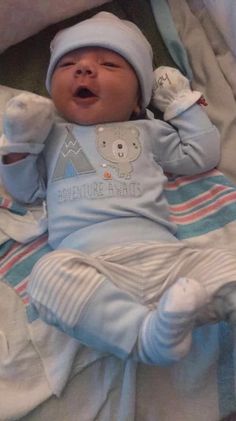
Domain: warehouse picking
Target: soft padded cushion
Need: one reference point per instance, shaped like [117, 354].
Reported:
[20, 19]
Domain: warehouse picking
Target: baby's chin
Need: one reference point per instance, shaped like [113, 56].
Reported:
[90, 119]
[94, 121]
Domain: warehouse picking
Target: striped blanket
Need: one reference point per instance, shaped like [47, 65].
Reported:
[201, 204]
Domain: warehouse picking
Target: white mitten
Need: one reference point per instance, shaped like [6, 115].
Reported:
[27, 121]
[172, 93]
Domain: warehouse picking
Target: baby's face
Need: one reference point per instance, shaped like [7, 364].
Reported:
[95, 85]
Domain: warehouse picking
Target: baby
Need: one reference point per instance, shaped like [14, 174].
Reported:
[118, 280]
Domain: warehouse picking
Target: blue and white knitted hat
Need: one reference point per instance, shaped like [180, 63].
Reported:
[108, 31]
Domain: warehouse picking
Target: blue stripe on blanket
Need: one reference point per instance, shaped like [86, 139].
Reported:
[226, 370]
[32, 313]
[22, 269]
[221, 218]
[5, 247]
[167, 28]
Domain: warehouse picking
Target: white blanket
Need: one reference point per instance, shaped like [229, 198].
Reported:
[206, 56]
[224, 15]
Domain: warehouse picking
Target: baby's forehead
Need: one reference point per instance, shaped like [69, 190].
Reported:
[97, 51]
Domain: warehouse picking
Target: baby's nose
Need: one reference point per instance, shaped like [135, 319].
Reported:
[86, 69]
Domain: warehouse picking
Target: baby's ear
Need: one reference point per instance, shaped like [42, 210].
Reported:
[137, 113]
[137, 109]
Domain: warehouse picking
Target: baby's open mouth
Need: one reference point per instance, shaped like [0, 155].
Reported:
[83, 92]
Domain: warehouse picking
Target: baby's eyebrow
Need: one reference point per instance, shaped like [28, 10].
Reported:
[67, 57]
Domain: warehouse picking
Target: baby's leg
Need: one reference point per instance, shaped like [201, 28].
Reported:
[79, 300]
[72, 294]
[77, 297]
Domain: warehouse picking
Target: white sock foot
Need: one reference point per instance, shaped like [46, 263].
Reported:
[166, 334]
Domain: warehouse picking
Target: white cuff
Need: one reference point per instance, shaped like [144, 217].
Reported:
[181, 104]
[7, 147]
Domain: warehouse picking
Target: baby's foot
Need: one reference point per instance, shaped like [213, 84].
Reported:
[166, 334]
[186, 295]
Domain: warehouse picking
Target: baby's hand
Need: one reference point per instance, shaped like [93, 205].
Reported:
[171, 92]
[27, 121]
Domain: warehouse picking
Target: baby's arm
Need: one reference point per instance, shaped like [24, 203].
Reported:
[27, 121]
[192, 145]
